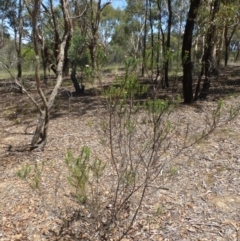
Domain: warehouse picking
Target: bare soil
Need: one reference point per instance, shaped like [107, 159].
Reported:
[197, 198]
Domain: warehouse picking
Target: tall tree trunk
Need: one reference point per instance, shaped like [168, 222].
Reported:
[79, 89]
[186, 52]
[95, 16]
[169, 26]
[18, 43]
[93, 51]
[144, 39]
[228, 42]
[44, 63]
[152, 67]
[66, 59]
[219, 50]
[161, 38]
[19, 67]
[207, 60]
[237, 55]
[41, 130]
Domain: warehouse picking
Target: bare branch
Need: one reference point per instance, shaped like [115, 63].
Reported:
[21, 86]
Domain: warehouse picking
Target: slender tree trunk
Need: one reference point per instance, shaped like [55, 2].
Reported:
[92, 49]
[44, 63]
[152, 67]
[158, 55]
[144, 39]
[79, 89]
[226, 46]
[19, 67]
[160, 33]
[196, 49]
[2, 42]
[168, 43]
[228, 42]
[66, 59]
[219, 51]
[179, 38]
[207, 60]
[18, 44]
[41, 130]
[237, 55]
[95, 16]
[186, 52]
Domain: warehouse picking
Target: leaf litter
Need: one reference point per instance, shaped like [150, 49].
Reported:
[196, 198]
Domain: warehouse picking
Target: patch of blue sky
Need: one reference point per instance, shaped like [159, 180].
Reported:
[119, 4]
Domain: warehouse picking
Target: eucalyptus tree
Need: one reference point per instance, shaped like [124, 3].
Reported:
[3, 16]
[15, 15]
[208, 48]
[93, 13]
[231, 15]
[78, 57]
[34, 7]
[144, 44]
[120, 40]
[50, 29]
[110, 19]
[168, 42]
[134, 25]
[187, 51]
[155, 45]
[236, 43]
[164, 22]
[179, 8]
[17, 24]
[110, 34]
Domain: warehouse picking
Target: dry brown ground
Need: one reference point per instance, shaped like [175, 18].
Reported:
[200, 194]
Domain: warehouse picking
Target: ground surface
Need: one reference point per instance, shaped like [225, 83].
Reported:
[199, 198]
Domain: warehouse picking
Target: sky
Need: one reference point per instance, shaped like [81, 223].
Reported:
[119, 4]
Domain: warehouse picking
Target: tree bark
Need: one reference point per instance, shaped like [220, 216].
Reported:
[66, 59]
[228, 42]
[41, 130]
[186, 52]
[18, 43]
[95, 17]
[144, 39]
[168, 43]
[219, 51]
[79, 89]
[207, 60]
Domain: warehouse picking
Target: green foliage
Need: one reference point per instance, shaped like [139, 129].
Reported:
[129, 177]
[78, 53]
[24, 172]
[159, 211]
[219, 108]
[217, 113]
[127, 88]
[28, 53]
[32, 174]
[28, 57]
[102, 58]
[156, 105]
[116, 53]
[173, 171]
[83, 173]
[79, 172]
